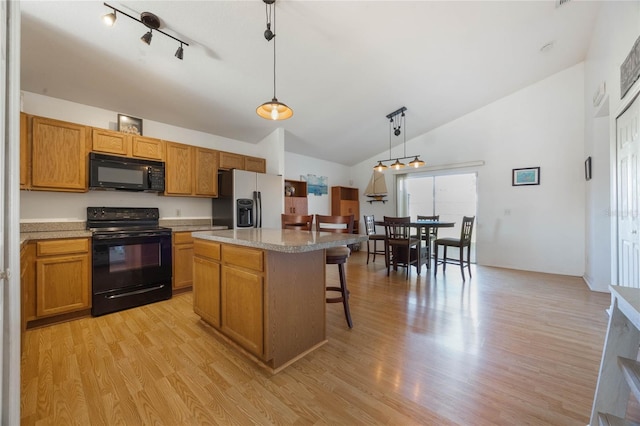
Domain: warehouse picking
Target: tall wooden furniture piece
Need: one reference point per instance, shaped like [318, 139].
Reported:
[461, 243]
[295, 197]
[338, 256]
[344, 202]
[619, 369]
[399, 244]
[430, 236]
[374, 237]
[297, 222]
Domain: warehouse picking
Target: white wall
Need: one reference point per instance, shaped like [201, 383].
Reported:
[39, 205]
[617, 28]
[338, 175]
[537, 228]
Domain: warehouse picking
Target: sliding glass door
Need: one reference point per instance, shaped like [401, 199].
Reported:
[451, 196]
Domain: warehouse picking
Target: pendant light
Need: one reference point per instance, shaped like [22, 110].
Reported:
[273, 110]
[396, 121]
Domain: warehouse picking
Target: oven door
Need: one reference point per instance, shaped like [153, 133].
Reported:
[130, 270]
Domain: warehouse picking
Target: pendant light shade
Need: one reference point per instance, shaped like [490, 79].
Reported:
[416, 162]
[380, 167]
[273, 110]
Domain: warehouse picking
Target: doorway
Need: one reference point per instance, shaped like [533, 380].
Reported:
[451, 196]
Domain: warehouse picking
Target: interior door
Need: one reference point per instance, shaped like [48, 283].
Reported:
[628, 192]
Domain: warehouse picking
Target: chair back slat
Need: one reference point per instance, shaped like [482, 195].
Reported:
[396, 228]
[370, 224]
[433, 230]
[467, 229]
[297, 222]
[338, 224]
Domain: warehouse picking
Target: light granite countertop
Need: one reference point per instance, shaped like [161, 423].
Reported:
[51, 230]
[282, 240]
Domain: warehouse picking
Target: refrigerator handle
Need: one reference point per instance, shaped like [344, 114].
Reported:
[259, 209]
[254, 213]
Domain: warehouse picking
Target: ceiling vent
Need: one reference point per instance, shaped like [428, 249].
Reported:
[560, 3]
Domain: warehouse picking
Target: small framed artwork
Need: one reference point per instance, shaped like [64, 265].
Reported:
[127, 124]
[525, 176]
[587, 168]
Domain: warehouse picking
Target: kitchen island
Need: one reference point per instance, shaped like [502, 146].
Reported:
[263, 290]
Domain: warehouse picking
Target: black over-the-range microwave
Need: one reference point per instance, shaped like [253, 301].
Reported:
[130, 174]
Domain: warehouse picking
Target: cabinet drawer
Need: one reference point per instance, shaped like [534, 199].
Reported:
[243, 257]
[182, 238]
[53, 247]
[207, 249]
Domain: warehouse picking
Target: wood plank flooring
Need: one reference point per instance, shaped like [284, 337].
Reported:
[506, 347]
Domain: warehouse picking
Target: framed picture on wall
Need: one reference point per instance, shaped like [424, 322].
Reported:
[525, 176]
[131, 125]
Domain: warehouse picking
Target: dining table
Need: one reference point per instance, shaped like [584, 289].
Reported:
[423, 227]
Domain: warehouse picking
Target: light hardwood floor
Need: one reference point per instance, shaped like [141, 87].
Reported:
[506, 347]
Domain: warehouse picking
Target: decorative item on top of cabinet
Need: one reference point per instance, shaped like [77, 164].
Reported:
[345, 201]
[58, 155]
[255, 164]
[182, 261]
[229, 160]
[295, 197]
[57, 282]
[25, 138]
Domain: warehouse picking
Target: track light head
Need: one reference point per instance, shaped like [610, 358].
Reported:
[179, 52]
[147, 37]
[110, 18]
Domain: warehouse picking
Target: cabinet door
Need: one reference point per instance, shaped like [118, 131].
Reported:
[178, 166]
[110, 142]
[295, 205]
[242, 308]
[229, 160]
[24, 151]
[348, 207]
[206, 290]
[255, 164]
[206, 172]
[62, 284]
[58, 155]
[150, 148]
[182, 266]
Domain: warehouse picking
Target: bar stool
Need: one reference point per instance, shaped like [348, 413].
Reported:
[374, 237]
[337, 256]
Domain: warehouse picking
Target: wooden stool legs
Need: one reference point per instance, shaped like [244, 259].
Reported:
[344, 294]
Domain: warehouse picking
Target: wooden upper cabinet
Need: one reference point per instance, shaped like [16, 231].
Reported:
[144, 147]
[229, 160]
[178, 167]
[206, 172]
[110, 142]
[58, 155]
[255, 164]
[24, 151]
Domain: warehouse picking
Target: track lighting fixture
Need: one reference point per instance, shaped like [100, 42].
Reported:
[149, 20]
[396, 120]
[273, 110]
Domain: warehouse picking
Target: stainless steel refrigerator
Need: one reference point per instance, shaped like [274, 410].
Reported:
[248, 199]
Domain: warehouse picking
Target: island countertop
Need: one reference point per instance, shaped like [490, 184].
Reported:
[282, 240]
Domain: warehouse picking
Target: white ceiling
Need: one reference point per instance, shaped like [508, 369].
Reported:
[341, 65]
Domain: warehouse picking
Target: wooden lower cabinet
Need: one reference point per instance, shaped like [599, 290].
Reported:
[269, 303]
[56, 278]
[206, 281]
[182, 261]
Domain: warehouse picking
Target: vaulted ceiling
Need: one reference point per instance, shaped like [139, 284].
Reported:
[341, 65]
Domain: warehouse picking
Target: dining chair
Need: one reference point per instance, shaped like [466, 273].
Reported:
[296, 221]
[399, 244]
[374, 237]
[430, 236]
[337, 256]
[461, 243]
